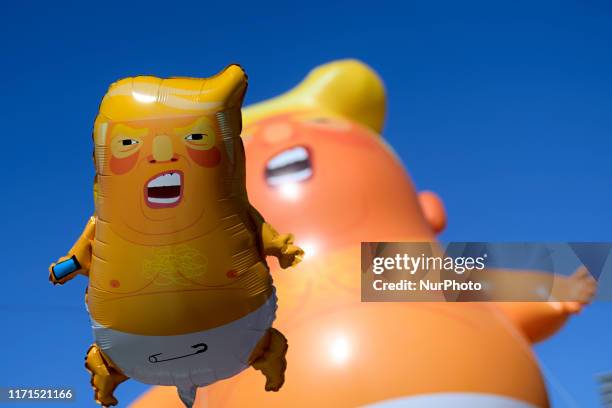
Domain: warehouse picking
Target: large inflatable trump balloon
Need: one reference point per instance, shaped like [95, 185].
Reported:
[179, 290]
[317, 151]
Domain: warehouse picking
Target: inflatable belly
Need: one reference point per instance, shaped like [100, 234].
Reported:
[388, 354]
[186, 314]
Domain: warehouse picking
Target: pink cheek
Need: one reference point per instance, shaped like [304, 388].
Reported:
[121, 166]
[206, 158]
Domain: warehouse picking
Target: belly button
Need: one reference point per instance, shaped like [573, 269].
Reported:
[231, 274]
[114, 283]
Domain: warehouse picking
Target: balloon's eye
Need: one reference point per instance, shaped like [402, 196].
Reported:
[129, 142]
[204, 140]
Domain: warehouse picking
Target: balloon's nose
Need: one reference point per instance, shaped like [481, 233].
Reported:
[162, 148]
[278, 132]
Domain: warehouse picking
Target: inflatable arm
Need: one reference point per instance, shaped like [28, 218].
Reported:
[78, 259]
[274, 244]
[537, 320]
[540, 320]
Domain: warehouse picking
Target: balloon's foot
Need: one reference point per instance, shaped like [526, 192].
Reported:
[271, 359]
[105, 376]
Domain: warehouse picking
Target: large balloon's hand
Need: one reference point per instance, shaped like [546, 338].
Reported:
[581, 288]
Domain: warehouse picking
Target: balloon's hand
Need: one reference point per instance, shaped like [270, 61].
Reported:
[52, 276]
[81, 254]
[581, 288]
[291, 255]
[67, 267]
[280, 246]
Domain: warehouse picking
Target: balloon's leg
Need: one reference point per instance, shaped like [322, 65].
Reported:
[269, 358]
[187, 395]
[105, 376]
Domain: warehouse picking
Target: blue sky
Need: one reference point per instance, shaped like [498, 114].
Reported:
[504, 108]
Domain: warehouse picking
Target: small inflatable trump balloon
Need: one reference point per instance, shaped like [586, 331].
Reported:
[179, 290]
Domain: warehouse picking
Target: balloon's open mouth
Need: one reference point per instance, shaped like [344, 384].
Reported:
[164, 190]
[292, 165]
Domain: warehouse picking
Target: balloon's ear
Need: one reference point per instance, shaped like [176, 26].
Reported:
[345, 88]
[433, 209]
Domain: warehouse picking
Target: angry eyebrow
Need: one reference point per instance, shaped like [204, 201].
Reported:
[200, 125]
[123, 129]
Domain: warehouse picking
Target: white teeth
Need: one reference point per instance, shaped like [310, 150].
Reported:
[165, 180]
[163, 200]
[290, 166]
[290, 177]
[162, 186]
[287, 157]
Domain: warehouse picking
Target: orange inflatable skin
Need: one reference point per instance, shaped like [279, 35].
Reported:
[315, 153]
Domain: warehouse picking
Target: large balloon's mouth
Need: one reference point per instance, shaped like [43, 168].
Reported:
[164, 190]
[292, 165]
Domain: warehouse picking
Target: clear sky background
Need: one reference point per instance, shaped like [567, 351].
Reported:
[502, 107]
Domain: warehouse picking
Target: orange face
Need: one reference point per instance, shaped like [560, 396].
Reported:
[164, 151]
[156, 173]
[306, 163]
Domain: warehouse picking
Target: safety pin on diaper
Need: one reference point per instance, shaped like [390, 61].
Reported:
[202, 347]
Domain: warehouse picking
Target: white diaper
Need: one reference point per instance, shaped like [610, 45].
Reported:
[454, 399]
[187, 360]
